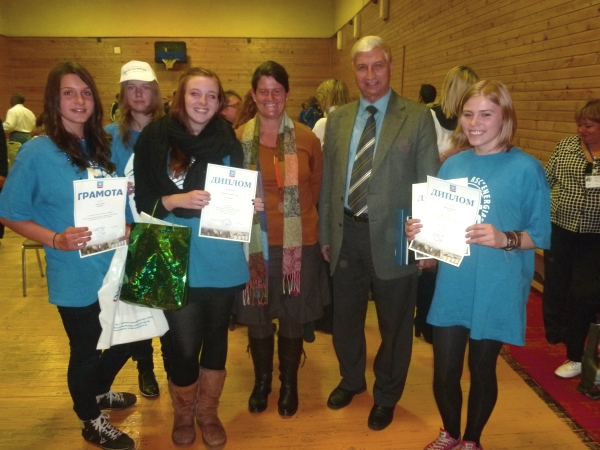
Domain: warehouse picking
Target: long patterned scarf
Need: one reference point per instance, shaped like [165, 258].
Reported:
[257, 288]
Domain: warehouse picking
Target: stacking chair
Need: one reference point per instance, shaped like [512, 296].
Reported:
[30, 244]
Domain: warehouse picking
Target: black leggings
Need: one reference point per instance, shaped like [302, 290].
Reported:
[201, 325]
[449, 345]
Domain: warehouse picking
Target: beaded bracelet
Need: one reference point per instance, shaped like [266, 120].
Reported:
[54, 241]
[513, 240]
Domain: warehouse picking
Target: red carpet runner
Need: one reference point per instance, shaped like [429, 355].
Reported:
[537, 361]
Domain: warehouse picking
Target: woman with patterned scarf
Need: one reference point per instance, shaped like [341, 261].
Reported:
[288, 279]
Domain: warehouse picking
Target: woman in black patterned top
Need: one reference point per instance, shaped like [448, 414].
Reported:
[573, 173]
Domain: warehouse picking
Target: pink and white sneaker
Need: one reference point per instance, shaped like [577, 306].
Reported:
[444, 442]
[469, 445]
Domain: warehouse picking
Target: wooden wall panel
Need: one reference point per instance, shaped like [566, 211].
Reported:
[6, 78]
[234, 60]
[546, 52]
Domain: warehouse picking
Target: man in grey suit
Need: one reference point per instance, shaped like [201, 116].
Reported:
[374, 150]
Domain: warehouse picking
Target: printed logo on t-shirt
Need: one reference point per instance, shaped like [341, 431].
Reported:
[486, 198]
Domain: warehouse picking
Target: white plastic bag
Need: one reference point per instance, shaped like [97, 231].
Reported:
[122, 322]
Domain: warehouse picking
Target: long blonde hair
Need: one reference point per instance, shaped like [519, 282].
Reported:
[457, 81]
[332, 92]
[126, 118]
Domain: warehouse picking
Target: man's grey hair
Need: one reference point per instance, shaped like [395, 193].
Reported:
[368, 43]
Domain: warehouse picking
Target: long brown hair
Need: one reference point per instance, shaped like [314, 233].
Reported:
[126, 118]
[179, 161]
[97, 140]
[246, 112]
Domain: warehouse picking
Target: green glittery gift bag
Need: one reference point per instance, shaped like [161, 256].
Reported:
[156, 266]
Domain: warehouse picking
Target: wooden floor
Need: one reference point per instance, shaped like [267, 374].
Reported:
[36, 410]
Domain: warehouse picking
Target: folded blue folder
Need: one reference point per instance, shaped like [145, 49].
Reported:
[402, 216]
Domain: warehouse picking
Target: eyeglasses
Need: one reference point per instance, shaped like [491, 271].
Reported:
[232, 106]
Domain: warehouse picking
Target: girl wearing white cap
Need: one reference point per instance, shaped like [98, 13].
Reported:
[140, 102]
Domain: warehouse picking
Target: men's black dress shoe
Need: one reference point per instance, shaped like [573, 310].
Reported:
[341, 397]
[148, 384]
[380, 417]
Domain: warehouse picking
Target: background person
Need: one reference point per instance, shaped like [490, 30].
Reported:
[483, 301]
[446, 111]
[573, 259]
[140, 104]
[427, 94]
[288, 158]
[3, 169]
[312, 113]
[233, 101]
[172, 154]
[37, 202]
[330, 94]
[19, 120]
[398, 148]
[113, 108]
[246, 111]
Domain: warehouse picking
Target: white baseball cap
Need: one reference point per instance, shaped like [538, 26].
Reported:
[137, 71]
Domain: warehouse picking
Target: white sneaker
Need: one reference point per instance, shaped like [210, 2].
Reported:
[569, 369]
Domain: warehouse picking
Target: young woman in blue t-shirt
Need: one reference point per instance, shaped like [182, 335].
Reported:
[171, 158]
[140, 102]
[482, 301]
[37, 202]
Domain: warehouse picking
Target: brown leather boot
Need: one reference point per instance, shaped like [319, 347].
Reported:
[184, 406]
[210, 386]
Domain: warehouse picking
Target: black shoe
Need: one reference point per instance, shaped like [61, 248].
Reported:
[148, 384]
[309, 332]
[341, 397]
[380, 417]
[99, 431]
[116, 400]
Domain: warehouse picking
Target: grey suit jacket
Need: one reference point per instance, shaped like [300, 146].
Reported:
[406, 153]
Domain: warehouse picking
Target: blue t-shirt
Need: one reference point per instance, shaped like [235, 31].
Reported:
[122, 155]
[40, 188]
[488, 292]
[215, 263]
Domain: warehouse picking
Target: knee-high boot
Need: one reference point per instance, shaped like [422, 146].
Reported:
[262, 358]
[210, 387]
[184, 407]
[290, 352]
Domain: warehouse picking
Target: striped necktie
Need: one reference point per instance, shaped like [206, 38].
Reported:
[361, 170]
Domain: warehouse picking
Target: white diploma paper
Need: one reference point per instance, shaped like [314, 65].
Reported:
[448, 210]
[229, 212]
[419, 195]
[100, 206]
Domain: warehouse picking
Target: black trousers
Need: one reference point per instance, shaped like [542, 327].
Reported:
[354, 275]
[572, 261]
[91, 372]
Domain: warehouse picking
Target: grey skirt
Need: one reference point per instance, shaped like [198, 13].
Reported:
[307, 306]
